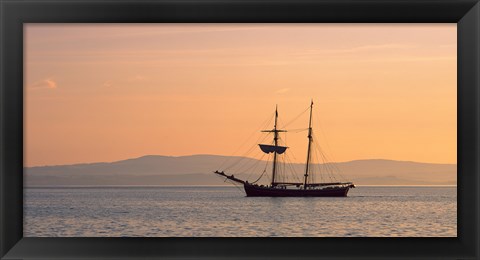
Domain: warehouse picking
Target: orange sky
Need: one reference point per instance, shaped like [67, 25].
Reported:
[111, 92]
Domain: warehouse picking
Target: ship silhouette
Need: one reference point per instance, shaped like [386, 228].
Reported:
[279, 188]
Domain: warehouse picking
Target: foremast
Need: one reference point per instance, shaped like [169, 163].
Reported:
[275, 148]
[275, 141]
[310, 140]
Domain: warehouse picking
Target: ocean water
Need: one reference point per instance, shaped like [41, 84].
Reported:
[368, 211]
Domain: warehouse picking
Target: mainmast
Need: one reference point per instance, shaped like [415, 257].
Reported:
[309, 147]
[275, 140]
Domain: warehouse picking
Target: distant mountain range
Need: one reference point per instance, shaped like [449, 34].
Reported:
[197, 170]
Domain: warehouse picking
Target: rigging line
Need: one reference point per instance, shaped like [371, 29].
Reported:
[245, 162]
[244, 156]
[284, 172]
[308, 172]
[285, 162]
[292, 156]
[267, 162]
[266, 122]
[326, 155]
[292, 168]
[298, 130]
[328, 170]
[259, 177]
[319, 165]
[293, 163]
[264, 170]
[278, 172]
[236, 185]
[231, 182]
[249, 168]
[298, 116]
[298, 176]
[312, 166]
[251, 172]
[242, 159]
[322, 132]
[253, 166]
[329, 166]
[325, 166]
[280, 122]
[283, 143]
[295, 176]
[335, 168]
[248, 151]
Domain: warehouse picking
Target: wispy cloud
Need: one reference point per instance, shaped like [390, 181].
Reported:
[137, 78]
[124, 81]
[48, 83]
[378, 47]
[107, 83]
[281, 91]
[119, 32]
[357, 49]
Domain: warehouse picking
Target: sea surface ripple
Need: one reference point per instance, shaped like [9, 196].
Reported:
[368, 211]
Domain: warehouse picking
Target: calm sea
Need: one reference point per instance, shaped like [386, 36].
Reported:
[225, 211]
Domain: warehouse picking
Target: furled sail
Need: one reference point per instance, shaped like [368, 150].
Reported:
[266, 148]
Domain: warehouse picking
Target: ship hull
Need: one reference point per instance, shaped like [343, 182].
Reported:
[258, 191]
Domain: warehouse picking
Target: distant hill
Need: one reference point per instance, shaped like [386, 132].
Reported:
[197, 170]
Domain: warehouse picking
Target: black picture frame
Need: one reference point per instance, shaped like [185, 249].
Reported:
[14, 13]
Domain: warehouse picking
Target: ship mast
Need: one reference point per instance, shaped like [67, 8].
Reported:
[309, 146]
[275, 140]
[275, 148]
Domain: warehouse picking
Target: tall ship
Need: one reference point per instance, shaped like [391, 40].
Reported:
[306, 186]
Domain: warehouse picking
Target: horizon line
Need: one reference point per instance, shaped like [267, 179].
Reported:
[153, 186]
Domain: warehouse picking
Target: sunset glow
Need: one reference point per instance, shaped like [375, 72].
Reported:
[97, 92]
